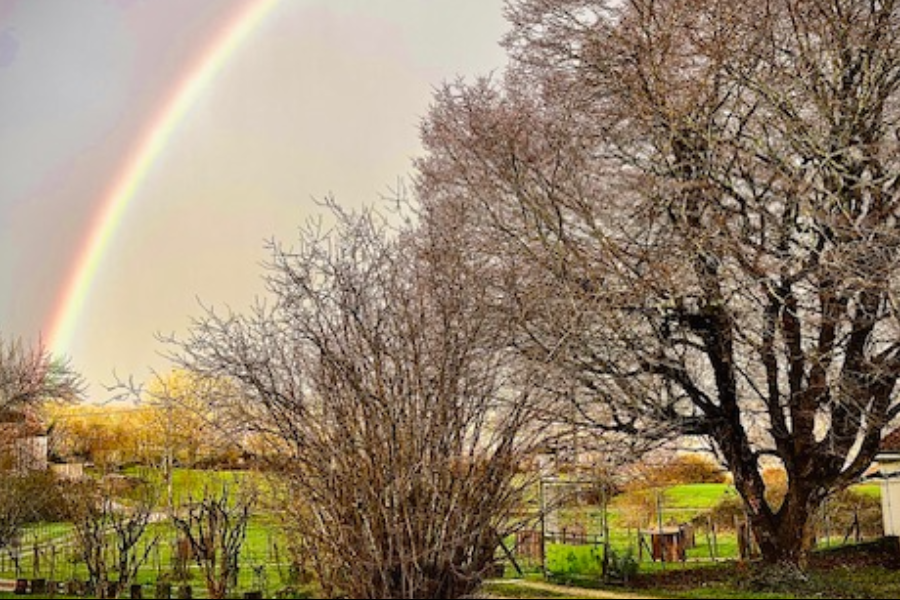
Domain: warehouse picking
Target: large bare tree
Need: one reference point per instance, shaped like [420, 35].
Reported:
[702, 199]
[389, 402]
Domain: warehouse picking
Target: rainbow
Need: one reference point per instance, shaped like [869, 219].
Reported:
[150, 145]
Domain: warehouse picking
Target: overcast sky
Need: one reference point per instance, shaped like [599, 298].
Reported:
[324, 97]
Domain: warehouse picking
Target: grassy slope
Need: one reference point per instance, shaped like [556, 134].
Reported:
[697, 495]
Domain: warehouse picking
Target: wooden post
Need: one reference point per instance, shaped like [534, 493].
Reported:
[659, 525]
[542, 543]
[604, 530]
[39, 586]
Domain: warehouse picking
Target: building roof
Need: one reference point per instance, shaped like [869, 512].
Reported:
[20, 423]
[891, 442]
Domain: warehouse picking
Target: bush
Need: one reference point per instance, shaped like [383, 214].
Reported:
[852, 514]
[35, 496]
[573, 562]
[694, 468]
[637, 508]
[676, 469]
[621, 566]
[727, 511]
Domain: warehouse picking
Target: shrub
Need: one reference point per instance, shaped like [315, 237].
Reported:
[727, 511]
[676, 469]
[776, 481]
[621, 566]
[574, 562]
[33, 496]
[637, 507]
[694, 468]
[851, 514]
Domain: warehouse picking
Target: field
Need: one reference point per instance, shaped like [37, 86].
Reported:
[47, 550]
[849, 561]
[709, 567]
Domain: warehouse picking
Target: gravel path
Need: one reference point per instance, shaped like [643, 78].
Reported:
[574, 592]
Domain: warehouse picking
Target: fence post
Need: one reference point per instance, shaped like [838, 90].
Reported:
[541, 545]
[710, 537]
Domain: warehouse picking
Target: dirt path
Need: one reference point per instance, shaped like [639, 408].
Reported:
[573, 592]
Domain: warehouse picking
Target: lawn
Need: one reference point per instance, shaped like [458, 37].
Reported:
[707, 563]
[697, 496]
[265, 561]
[47, 550]
[867, 570]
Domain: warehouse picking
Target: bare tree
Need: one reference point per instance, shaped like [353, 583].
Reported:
[215, 528]
[130, 528]
[389, 403]
[107, 533]
[27, 497]
[182, 431]
[702, 199]
[29, 376]
[13, 515]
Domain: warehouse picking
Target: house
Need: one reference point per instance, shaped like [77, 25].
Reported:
[23, 441]
[888, 459]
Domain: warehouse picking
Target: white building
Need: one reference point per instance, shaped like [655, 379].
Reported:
[23, 441]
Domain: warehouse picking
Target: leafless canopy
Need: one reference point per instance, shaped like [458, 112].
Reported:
[384, 393]
[107, 534]
[29, 376]
[215, 527]
[700, 199]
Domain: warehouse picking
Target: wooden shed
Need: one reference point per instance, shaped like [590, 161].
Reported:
[669, 544]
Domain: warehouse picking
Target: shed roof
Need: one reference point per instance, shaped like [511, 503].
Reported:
[20, 423]
[891, 442]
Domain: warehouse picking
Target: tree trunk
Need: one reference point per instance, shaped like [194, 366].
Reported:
[788, 535]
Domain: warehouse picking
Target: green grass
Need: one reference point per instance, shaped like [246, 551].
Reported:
[868, 489]
[508, 589]
[568, 562]
[734, 580]
[702, 496]
[45, 532]
[581, 564]
[856, 582]
[264, 556]
[190, 484]
[724, 592]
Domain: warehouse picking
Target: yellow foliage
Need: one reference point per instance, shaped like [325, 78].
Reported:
[173, 420]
